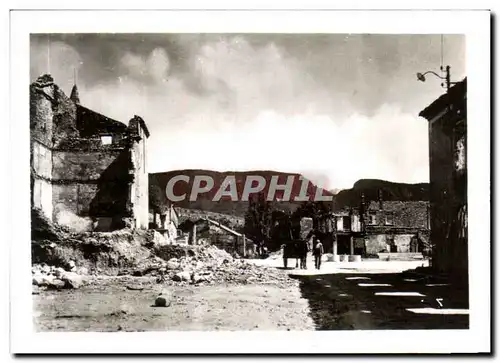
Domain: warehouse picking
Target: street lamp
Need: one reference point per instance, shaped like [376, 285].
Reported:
[446, 78]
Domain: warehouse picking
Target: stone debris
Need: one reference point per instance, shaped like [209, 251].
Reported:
[52, 277]
[210, 265]
[133, 254]
[57, 284]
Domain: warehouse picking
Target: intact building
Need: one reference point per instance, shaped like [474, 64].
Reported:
[88, 171]
[447, 120]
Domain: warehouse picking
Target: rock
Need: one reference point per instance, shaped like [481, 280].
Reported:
[56, 284]
[182, 276]
[161, 302]
[172, 265]
[37, 279]
[164, 299]
[73, 280]
[158, 239]
[45, 269]
[71, 265]
[82, 271]
[42, 280]
[59, 271]
[198, 278]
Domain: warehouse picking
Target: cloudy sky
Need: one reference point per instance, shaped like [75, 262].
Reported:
[334, 107]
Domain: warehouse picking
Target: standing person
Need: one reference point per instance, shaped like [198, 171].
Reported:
[318, 253]
[305, 250]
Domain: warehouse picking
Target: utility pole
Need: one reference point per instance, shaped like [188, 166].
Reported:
[447, 78]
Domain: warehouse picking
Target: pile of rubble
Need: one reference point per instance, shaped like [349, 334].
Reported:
[52, 277]
[210, 265]
[62, 259]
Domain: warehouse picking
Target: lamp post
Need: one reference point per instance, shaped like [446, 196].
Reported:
[446, 78]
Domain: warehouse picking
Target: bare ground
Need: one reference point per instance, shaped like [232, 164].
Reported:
[112, 306]
[335, 298]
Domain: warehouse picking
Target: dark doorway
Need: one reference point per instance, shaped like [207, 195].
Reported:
[414, 245]
[392, 246]
[343, 245]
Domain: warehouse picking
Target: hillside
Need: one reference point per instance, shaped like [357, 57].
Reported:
[390, 191]
[226, 205]
[233, 222]
[344, 198]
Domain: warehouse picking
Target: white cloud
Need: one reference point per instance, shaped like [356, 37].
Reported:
[241, 107]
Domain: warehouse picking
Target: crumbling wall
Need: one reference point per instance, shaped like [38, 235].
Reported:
[64, 118]
[140, 197]
[76, 180]
[402, 242]
[41, 115]
[404, 214]
[381, 242]
[41, 174]
[83, 166]
[52, 113]
[93, 185]
[376, 243]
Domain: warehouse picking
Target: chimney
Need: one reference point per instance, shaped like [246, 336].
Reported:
[74, 95]
[380, 200]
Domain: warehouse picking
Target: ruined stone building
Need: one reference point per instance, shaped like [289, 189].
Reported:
[447, 123]
[396, 227]
[208, 231]
[376, 228]
[88, 171]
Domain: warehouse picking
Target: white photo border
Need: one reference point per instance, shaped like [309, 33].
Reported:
[475, 25]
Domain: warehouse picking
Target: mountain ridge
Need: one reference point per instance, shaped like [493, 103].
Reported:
[343, 199]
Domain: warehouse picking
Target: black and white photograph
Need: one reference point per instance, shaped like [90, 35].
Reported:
[256, 182]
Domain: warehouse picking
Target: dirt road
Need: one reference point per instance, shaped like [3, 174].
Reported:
[382, 301]
[113, 307]
[334, 298]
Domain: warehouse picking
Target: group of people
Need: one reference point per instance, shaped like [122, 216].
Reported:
[314, 245]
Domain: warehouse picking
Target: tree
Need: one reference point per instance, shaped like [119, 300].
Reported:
[157, 198]
[312, 210]
[258, 218]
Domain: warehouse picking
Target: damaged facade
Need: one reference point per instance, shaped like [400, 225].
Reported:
[166, 222]
[396, 227]
[88, 172]
[378, 228]
[447, 123]
[209, 231]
